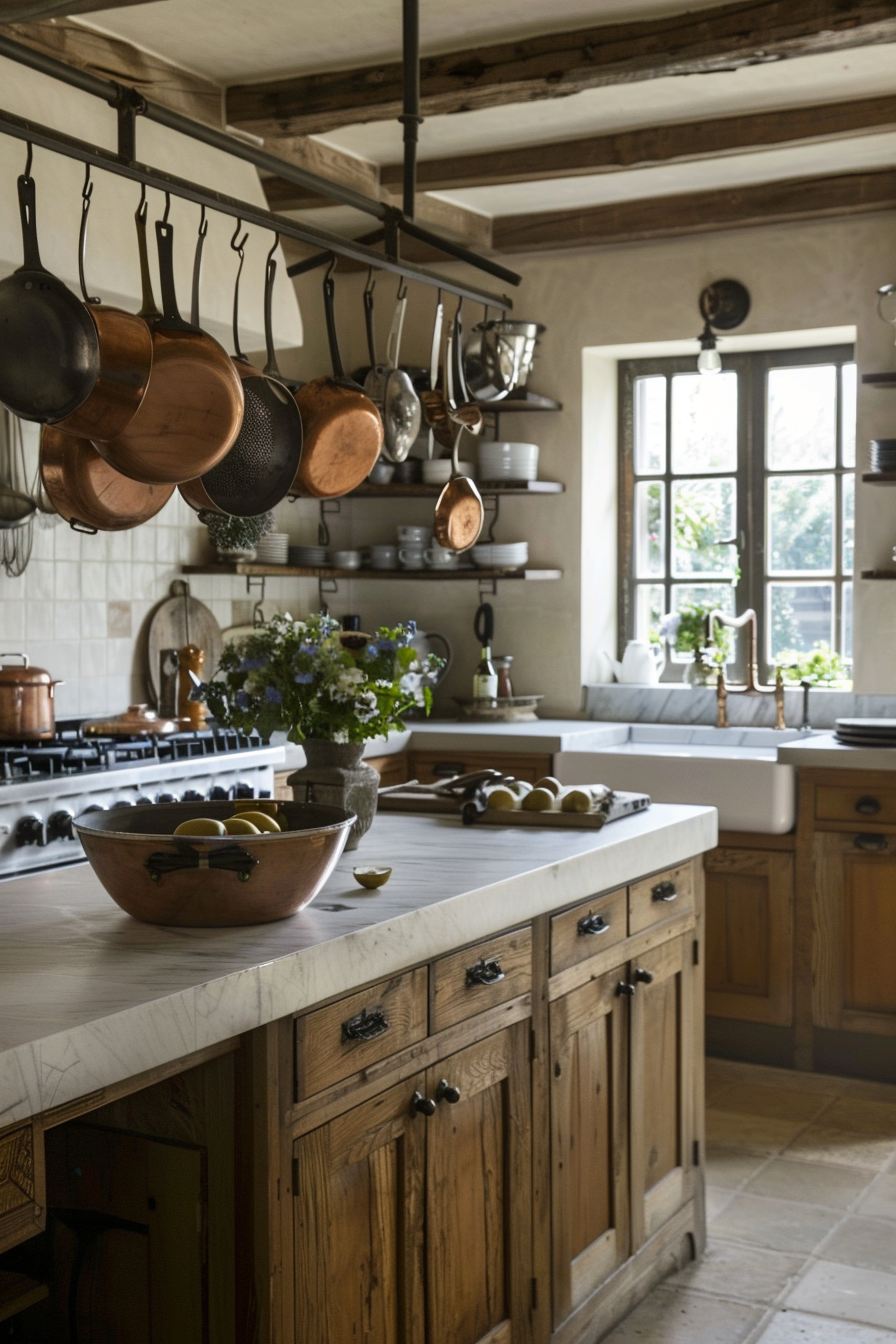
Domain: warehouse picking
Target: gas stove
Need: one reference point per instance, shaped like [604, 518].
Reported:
[44, 785]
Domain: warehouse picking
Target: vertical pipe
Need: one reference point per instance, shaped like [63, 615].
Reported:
[410, 118]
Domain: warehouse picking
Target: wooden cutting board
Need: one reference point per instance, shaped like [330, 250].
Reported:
[168, 630]
[623, 805]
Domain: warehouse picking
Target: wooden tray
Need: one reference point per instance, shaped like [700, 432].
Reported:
[623, 805]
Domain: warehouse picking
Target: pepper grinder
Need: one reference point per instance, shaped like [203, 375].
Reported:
[503, 663]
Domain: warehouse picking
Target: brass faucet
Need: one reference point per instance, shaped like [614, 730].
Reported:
[752, 687]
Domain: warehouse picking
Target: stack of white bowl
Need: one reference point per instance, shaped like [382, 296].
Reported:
[496, 555]
[438, 471]
[501, 461]
[308, 556]
[273, 549]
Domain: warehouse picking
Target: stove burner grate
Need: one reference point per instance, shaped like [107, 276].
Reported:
[70, 753]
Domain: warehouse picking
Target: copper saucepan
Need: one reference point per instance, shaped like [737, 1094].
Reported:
[343, 429]
[125, 345]
[89, 494]
[27, 712]
[192, 411]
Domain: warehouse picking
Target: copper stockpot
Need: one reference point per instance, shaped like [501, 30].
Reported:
[89, 494]
[27, 712]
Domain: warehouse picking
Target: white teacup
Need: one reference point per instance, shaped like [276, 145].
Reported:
[346, 559]
[384, 557]
[414, 536]
[441, 557]
[412, 557]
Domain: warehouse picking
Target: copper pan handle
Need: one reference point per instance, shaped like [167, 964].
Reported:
[165, 241]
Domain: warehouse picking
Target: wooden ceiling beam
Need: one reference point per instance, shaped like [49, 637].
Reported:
[554, 65]
[768, 203]
[35, 11]
[646, 146]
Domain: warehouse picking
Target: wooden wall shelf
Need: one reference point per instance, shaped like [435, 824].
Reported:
[879, 379]
[879, 477]
[878, 574]
[251, 570]
[420, 490]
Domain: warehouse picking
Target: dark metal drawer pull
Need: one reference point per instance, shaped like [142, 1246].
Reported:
[445, 1092]
[625, 989]
[423, 1105]
[485, 972]
[664, 891]
[873, 842]
[366, 1026]
[643, 977]
[868, 806]
[448, 769]
[592, 924]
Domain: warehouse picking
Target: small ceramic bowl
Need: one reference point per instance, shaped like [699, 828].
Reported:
[371, 878]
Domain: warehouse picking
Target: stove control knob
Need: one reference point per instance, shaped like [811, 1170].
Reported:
[218, 794]
[193, 796]
[243, 790]
[59, 826]
[94, 807]
[264, 793]
[166, 798]
[30, 831]
[142, 798]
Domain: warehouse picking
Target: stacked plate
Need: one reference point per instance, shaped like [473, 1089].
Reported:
[273, 549]
[883, 454]
[510, 555]
[866, 732]
[308, 556]
[500, 461]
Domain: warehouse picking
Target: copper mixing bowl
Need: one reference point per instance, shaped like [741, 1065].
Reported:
[203, 881]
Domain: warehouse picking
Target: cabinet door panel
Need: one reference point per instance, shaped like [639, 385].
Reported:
[589, 1162]
[749, 935]
[359, 1225]
[662, 1114]
[855, 930]
[478, 1195]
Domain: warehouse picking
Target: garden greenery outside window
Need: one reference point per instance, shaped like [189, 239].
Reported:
[739, 490]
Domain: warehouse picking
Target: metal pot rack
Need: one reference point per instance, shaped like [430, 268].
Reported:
[129, 105]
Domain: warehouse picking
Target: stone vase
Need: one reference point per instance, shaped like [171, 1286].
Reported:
[334, 773]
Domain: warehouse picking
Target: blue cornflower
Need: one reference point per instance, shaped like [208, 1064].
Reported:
[273, 696]
[242, 700]
[252, 664]
[303, 678]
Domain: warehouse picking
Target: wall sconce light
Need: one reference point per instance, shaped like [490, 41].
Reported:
[723, 305]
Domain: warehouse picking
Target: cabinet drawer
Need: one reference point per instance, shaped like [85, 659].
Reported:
[469, 982]
[668, 895]
[854, 804]
[587, 929]
[22, 1191]
[334, 1042]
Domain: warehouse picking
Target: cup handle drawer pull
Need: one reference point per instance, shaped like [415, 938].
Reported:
[485, 972]
[877, 843]
[867, 806]
[592, 924]
[664, 891]
[365, 1026]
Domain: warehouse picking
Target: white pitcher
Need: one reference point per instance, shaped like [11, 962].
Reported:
[641, 665]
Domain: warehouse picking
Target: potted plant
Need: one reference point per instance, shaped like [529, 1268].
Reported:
[329, 690]
[685, 632]
[235, 538]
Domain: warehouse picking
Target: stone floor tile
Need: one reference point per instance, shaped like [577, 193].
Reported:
[717, 1199]
[793, 1327]
[728, 1166]
[747, 1273]
[864, 1295]
[776, 1224]
[671, 1316]
[777, 1103]
[763, 1075]
[862, 1116]
[810, 1182]
[752, 1133]
[845, 1148]
[869, 1243]
[880, 1201]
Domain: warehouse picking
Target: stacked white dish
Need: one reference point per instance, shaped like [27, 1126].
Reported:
[866, 732]
[506, 555]
[273, 549]
[438, 471]
[310, 556]
[500, 461]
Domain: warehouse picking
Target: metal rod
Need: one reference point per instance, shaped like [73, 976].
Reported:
[460, 252]
[57, 141]
[410, 119]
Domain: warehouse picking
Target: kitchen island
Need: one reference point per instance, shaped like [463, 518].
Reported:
[485, 1079]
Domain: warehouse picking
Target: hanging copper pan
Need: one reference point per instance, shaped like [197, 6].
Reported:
[125, 345]
[192, 411]
[89, 494]
[342, 427]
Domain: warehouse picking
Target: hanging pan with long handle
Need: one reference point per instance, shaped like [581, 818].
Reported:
[192, 411]
[89, 494]
[125, 359]
[259, 469]
[459, 511]
[343, 428]
[389, 387]
[50, 354]
[271, 368]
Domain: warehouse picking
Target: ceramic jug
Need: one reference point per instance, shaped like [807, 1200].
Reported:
[641, 663]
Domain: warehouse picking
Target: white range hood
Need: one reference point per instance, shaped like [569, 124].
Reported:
[112, 266]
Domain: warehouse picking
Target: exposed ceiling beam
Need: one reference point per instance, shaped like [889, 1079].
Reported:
[555, 65]
[679, 142]
[698, 212]
[110, 58]
[33, 11]
[334, 164]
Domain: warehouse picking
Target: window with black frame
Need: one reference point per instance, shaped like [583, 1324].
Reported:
[738, 490]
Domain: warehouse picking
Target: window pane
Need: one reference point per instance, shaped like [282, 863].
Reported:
[650, 426]
[703, 514]
[801, 524]
[848, 413]
[649, 603]
[704, 422]
[847, 623]
[650, 525]
[802, 426]
[800, 616]
[849, 522]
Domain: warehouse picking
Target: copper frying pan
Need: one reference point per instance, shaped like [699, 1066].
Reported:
[191, 413]
[125, 346]
[89, 494]
[459, 511]
[343, 429]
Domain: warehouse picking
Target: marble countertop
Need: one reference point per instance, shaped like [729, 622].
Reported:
[824, 751]
[89, 997]
[544, 735]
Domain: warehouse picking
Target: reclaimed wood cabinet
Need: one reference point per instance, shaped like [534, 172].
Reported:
[749, 934]
[428, 767]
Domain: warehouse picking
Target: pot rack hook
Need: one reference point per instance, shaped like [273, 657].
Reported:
[142, 208]
[203, 224]
[86, 194]
[402, 288]
[87, 189]
[274, 246]
[167, 207]
[238, 244]
[370, 286]
[331, 268]
[28, 159]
